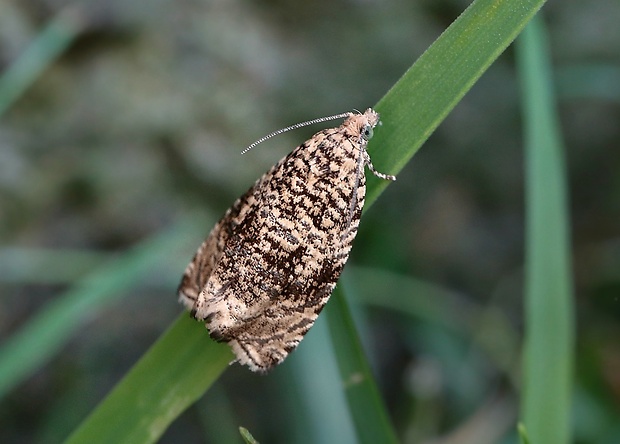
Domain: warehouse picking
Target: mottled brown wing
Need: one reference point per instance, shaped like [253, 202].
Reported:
[269, 266]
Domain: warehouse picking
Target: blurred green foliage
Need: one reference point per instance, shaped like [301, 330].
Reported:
[140, 122]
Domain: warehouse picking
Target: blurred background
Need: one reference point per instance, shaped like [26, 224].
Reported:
[137, 128]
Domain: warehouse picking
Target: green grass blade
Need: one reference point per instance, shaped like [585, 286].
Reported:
[549, 330]
[367, 409]
[522, 431]
[247, 436]
[171, 376]
[428, 91]
[49, 329]
[48, 45]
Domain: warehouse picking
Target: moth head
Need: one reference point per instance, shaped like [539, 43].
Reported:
[360, 126]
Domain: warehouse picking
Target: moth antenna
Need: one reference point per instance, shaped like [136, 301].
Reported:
[297, 125]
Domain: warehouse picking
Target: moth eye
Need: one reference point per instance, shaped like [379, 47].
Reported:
[367, 132]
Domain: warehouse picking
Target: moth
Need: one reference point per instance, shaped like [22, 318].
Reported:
[268, 267]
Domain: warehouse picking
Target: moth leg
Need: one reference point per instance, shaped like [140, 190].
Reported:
[371, 167]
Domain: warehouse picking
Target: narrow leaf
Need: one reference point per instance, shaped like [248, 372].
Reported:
[247, 436]
[549, 330]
